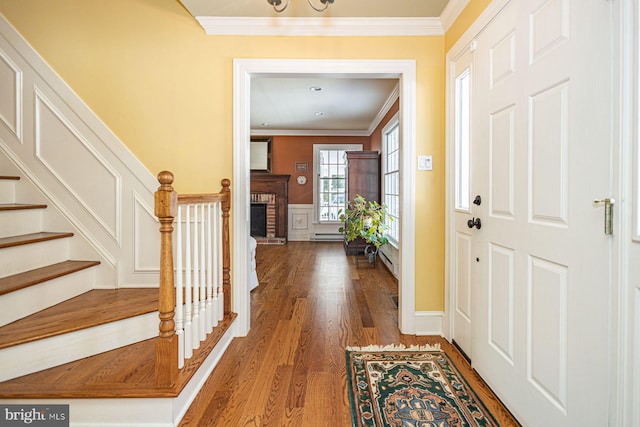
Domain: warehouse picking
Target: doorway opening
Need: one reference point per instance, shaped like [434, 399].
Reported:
[244, 71]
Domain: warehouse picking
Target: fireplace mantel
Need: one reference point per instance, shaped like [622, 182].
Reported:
[264, 183]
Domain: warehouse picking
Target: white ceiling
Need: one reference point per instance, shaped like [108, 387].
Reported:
[342, 106]
[349, 106]
[300, 8]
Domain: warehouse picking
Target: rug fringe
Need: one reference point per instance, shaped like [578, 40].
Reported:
[400, 347]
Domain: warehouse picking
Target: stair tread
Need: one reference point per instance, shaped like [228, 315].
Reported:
[124, 372]
[10, 177]
[24, 239]
[93, 308]
[42, 274]
[20, 206]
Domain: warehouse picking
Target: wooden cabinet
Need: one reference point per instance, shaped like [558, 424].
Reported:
[363, 178]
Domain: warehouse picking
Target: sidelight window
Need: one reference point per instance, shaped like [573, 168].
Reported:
[463, 138]
[391, 178]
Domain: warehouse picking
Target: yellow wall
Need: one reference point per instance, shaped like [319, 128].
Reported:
[147, 69]
[470, 13]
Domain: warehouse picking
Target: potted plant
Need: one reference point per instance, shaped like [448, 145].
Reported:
[365, 219]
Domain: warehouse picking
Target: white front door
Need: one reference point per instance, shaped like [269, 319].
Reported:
[541, 154]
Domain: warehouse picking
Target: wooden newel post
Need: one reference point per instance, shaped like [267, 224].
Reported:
[226, 255]
[166, 208]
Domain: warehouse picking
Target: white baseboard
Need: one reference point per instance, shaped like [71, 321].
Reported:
[429, 322]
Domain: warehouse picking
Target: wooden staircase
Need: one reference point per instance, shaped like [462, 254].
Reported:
[52, 315]
[64, 338]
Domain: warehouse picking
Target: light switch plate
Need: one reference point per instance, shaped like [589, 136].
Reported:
[425, 163]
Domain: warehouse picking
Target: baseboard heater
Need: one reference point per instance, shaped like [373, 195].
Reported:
[391, 266]
[328, 237]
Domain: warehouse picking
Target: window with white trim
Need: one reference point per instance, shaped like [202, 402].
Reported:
[391, 178]
[463, 139]
[330, 174]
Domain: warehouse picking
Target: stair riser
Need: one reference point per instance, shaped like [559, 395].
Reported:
[24, 302]
[18, 259]
[148, 412]
[47, 353]
[7, 191]
[13, 223]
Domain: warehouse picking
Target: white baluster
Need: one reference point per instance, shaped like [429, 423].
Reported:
[188, 334]
[195, 340]
[209, 309]
[216, 266]
[203, 281]
[221, 295]
[179, 310]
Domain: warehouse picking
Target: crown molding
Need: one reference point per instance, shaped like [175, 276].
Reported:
[452, 10]
[308, 132]
[285, 26]
[385, 109]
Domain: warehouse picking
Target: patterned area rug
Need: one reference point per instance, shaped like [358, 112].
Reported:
[410, 387]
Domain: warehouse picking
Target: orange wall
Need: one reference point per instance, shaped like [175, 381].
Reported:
[376, 135]
[286, 151]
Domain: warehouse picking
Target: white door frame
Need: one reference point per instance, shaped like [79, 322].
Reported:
[246, 69]
[625, 367]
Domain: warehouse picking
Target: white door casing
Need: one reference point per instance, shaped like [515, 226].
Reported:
[246, 69]
[541, 144]
[627, 386]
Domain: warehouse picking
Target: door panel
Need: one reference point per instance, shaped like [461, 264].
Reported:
[501, 304]
[462, 331]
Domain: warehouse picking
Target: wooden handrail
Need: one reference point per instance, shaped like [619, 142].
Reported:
[166, 208]
[186, 199]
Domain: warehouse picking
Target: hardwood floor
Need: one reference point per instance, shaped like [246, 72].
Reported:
[290, 370]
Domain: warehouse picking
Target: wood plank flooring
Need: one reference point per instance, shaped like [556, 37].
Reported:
[312, 302]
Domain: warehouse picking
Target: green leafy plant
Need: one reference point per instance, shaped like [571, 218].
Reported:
[365, 219]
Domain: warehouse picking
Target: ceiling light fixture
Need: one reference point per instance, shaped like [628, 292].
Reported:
[315, 88]
[278, 8]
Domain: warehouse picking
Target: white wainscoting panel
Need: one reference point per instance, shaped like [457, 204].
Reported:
[146, 236]
[86, 175]
[302, 227]
[11, 100]
[300, 222]
[92, 181]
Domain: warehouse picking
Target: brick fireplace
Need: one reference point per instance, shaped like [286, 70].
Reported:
[271, 192]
